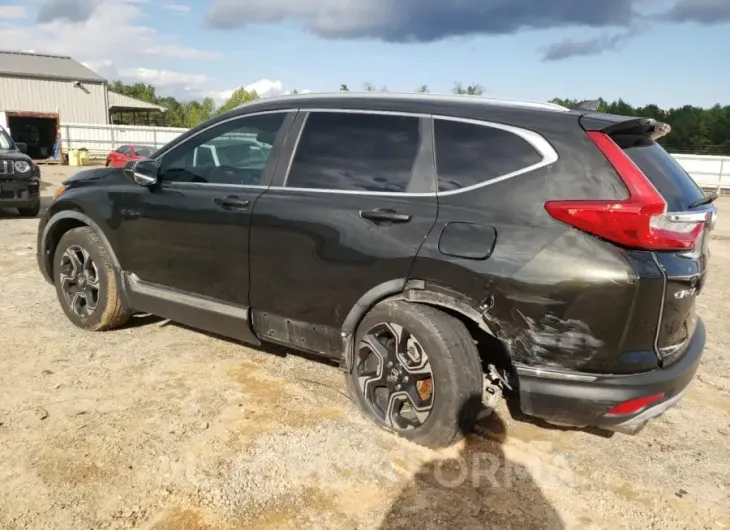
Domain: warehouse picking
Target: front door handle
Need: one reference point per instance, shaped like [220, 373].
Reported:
[385, 215]
[231, 202]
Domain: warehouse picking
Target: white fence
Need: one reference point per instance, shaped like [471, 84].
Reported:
[100, 139]
[711, 172]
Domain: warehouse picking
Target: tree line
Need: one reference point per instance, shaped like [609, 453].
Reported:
[694, 129]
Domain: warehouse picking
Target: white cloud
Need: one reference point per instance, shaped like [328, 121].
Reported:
[176, 7]
[165, 78]
[105, 68]
[115, 30]
[12, 12]
[117, 41]
[264, 88]
[181, 85]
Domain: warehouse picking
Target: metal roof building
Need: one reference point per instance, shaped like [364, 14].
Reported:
[60, 85]
[39, 93]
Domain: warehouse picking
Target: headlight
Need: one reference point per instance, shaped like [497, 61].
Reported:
[21, 166]
[59, 192]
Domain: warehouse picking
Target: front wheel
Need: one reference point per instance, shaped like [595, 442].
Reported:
[416, 372]
[86, 282]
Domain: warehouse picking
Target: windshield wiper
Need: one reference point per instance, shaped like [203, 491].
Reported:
[707, 199]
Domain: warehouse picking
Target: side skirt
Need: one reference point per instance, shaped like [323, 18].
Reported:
[305, 336]
[214, 316]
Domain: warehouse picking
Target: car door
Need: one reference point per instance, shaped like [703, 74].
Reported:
[190, 232]
[346, 214]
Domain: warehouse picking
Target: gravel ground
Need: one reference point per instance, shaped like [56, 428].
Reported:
[161, 427]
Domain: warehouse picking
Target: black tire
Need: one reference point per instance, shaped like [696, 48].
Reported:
[32, 211]
[457, 380]
[109, 311]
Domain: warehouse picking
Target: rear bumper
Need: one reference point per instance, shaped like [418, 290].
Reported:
[582, 399]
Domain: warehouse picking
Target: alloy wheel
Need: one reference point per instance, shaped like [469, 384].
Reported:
[79, 281]
[395, 377]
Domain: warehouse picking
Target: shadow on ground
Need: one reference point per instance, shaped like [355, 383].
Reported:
[479, 488]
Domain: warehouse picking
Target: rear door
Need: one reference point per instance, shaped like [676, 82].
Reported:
[685, 271]
[347, 212]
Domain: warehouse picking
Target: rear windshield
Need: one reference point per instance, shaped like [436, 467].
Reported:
[667, 175]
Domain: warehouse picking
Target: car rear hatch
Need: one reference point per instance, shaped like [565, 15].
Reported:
[670, 216]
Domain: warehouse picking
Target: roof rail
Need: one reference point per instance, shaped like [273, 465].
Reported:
[410, 96]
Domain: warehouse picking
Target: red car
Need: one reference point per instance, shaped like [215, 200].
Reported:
[128, 152]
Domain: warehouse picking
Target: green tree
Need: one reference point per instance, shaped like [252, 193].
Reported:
[423, 89]
[368, 87]
[474, 89]
[238, 98]
[343, 88]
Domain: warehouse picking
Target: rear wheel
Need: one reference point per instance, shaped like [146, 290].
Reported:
[86, 283]
[416, 372]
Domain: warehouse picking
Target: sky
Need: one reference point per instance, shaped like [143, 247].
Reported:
[667, 52]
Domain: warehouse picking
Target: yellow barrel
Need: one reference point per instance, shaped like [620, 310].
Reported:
[73, 157]
[83, 157]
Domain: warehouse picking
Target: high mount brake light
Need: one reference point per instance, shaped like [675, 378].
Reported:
[641, 221]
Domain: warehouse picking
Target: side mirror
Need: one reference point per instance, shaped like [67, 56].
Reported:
[22, 147]
[143, 172]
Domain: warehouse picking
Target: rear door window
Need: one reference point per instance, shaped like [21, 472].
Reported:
[356, 152]
[468, 154]
[665, 173]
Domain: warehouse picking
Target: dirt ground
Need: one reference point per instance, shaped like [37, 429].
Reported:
[161, 427]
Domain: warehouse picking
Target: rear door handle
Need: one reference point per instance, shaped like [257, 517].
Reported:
[231, 202]
[385, 215]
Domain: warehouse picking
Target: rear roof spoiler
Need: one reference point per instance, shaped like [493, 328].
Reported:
[613, 124]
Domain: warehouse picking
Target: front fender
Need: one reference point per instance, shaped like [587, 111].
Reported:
[51, 231]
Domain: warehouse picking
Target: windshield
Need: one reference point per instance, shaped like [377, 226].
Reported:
[143, 150]
[5, 141]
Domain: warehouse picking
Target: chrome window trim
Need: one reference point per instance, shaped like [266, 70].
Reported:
[537, 141]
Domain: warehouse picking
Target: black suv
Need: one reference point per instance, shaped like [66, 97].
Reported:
[20, 177]
[440, 248]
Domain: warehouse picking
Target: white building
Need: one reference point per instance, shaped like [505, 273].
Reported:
[39, 92]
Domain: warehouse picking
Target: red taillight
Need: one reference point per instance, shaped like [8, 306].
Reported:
[636, 222]
[634, 405]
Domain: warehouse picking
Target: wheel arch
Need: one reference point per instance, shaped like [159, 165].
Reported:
[414, 291]
[60, 223]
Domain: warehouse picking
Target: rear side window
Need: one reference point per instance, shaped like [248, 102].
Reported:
[469, 154]
[356, 152]
[665, 173]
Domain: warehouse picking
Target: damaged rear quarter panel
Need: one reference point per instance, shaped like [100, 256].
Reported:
[568, 306]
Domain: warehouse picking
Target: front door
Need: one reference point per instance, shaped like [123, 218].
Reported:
[347, 215]
[190, 233]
